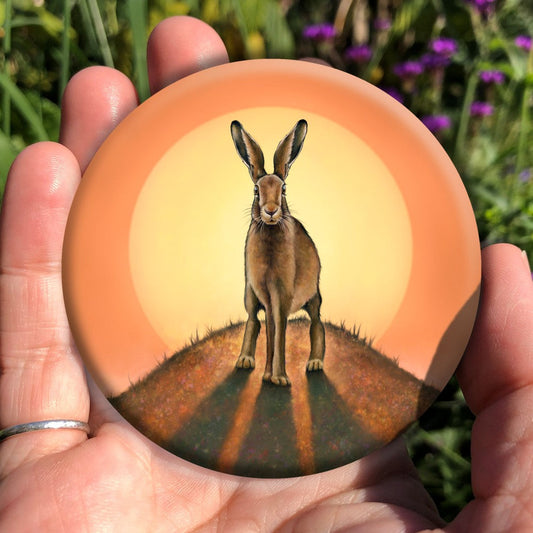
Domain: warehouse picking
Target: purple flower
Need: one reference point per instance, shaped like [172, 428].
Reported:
[409, 69]
[525, 175]
[444, 46]
[434, 61]
[382, 24]
[485, 7]
[359, 53]
[524, 42]
[481, 109]
[320, 32]
[391, 91]
[496, 77]
[436, 123]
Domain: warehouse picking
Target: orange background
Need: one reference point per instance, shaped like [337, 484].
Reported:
[108, 323]
[187, 235]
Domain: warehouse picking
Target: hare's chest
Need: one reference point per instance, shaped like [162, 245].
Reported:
[270, 263]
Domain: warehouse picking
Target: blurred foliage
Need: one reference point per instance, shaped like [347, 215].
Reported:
[45, 42]
[439, 444]
[492, 153]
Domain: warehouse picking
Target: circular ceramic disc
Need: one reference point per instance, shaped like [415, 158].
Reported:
[154, 268]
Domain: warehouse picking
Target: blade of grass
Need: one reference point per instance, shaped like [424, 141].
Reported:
[99, 30]
[6, 98]
[65, 49]
[87, 25]
[7, 156]
[19, 100]
[525, 119]
[432, 440]
[462, 129]
[137, 15]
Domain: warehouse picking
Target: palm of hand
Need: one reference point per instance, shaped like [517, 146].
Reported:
[117, 479]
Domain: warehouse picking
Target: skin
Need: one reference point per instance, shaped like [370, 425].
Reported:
[64, 481]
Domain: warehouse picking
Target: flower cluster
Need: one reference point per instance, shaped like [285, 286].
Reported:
[395, 93]
[481, 109]
[495, 77]
[320, 32]
[472, 92]
[431, 64]
[409, 69]
[361, 53]
[524, 42]
[443, 46]
[484, 7]
[441, 50]
[437, 123]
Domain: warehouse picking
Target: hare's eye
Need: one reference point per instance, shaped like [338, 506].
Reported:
[256, 191]
[284, 189]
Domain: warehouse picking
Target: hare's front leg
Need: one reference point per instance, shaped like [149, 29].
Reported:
[247, 356]
[279, 319]
[316, 334]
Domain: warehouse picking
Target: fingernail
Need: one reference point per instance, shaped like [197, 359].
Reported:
[526, 261]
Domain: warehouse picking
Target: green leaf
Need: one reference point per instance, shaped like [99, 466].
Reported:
[20, 101]
[277, 32]
[137, 15]
[7, 156]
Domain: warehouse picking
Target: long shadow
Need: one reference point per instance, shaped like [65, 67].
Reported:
[270, 449]
[201, 439]
[337, 438]
[440, 363]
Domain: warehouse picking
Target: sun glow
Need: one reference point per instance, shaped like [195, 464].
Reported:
[190, 221]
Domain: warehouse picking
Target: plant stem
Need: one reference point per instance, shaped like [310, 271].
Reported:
[137, 14]
[6, 97]
[462, 129]
[21, 102]
[454, 456]
[523, 148]
[65, 49]
[99, 30]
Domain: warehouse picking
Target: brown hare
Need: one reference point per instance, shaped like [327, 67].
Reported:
[281, 261]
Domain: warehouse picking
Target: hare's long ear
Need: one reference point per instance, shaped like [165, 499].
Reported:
[289, 148]
[249, 150]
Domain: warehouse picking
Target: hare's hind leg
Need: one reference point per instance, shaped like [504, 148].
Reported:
[247, 356]
[316, 334]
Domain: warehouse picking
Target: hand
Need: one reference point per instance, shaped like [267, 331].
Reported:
[117, 480]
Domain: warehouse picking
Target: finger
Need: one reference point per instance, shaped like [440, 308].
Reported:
[499, 357]
[96, 99]
[42, 377]
[180, 46]
[497, 377]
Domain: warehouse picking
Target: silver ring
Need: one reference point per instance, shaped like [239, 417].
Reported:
[44, 424]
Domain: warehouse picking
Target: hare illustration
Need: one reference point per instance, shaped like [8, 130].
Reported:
[282, 266]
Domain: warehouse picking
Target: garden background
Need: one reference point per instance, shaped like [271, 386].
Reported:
[464, 67]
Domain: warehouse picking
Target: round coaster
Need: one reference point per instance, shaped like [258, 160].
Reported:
[271, 268]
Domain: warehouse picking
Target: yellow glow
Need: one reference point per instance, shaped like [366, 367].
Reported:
[189, 226]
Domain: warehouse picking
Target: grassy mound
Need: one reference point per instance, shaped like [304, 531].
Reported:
[196, 405]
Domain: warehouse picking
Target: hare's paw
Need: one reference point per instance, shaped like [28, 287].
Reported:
[314, 365]
[282, 381]
[245, 361]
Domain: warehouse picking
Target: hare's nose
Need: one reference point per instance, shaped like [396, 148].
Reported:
[271, 213]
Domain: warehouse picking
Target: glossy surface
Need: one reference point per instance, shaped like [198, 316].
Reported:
[154, 269]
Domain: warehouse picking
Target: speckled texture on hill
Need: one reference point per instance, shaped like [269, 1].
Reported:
[196, 405]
